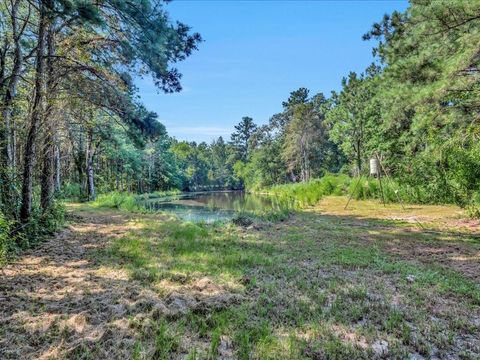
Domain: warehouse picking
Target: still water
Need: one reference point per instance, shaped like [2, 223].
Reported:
[213, 206]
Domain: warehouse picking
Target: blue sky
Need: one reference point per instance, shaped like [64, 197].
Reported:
[255, 53]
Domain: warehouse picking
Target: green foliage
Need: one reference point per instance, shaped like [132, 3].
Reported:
[360, 188]
[473, 208]
[117, 200]
[7, 244]
[428, 98]
[41, 224]
[309, 193]
[86, 119]
[54, 218]
[240, 139]
[264, 168]
[158, 194]
[393, 191]
[72, 191]
[206, 167]
[355, 115]
[15, 236]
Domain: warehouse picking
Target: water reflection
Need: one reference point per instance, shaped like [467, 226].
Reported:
[213, 206]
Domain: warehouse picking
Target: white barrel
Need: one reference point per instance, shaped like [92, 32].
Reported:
[374, 167]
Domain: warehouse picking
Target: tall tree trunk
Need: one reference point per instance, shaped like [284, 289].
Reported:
[89, 166]
[7, 154]
[117, 172]
[57, 167]
[36, 117]
[47, 178]
[14, 144]
[359, 158]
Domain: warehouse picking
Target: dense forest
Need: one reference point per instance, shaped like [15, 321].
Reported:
[72, 125]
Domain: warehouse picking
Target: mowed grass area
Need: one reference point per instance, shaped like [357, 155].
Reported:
[315, 286]
[326, 283]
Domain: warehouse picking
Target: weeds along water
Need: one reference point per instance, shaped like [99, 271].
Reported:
[272, 202]
[214, 207]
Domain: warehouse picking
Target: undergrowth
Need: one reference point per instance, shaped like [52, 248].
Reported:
[309, 193]
[388, 190]
[16, 236]
[118, 200]
[308, 283]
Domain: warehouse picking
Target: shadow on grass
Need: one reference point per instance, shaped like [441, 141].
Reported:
[314, 286]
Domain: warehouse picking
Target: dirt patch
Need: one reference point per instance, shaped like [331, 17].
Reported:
[461, 258]
[421, 233]
[70, 299]
[57, 301]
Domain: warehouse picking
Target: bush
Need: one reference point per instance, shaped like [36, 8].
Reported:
[473, 209]
[53, 219]
[309, 193]
[41, 224]
[7, 245]
[447, 174]
[72, 191]
[118, 200]
[15, 236]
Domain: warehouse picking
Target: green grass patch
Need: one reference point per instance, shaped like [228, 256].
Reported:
[309, 193]
[305, 285]
[117, 200]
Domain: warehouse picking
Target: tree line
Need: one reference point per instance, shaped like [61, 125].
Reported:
[66, 90]
[72, 125]
[417, 107]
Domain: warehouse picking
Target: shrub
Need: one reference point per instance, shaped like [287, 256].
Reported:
[309, 193]
[54, 218]
[118, 200]
[41, 224]
[7, 245]
[72, 191]
[473, 209]
[15, 236]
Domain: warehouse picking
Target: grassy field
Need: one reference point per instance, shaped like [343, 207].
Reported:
[327, 283]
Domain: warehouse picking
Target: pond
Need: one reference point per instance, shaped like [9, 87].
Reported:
[215, 205]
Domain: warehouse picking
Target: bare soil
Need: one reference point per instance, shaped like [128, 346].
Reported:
[56, 300]
[59, 301]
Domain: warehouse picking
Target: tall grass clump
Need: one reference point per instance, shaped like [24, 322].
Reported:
[393, 191]
[473, 208]
[118, 200]
[309, 193]
[159, 194]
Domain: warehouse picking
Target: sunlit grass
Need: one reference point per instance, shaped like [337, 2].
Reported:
[117, 200]
[309, 193]
[312, 287]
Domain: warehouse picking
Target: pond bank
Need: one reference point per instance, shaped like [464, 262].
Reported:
[322, 284]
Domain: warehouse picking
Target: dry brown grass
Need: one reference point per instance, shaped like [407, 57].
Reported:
[366, 282]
